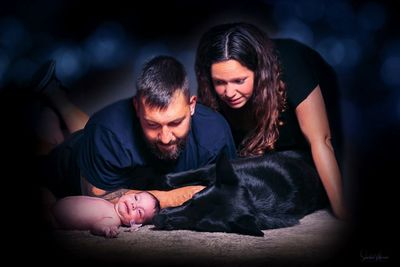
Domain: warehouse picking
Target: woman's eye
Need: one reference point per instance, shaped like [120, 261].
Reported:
[241, 81]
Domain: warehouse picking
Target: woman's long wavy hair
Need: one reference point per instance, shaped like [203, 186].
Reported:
[253, 49]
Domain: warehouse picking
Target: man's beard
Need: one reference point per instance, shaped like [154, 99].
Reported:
[168, 155]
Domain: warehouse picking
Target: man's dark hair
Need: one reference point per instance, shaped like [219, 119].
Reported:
[160, 78]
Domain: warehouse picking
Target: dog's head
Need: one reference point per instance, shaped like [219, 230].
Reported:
[224, 206]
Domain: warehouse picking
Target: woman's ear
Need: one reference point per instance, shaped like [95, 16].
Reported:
[192, 103]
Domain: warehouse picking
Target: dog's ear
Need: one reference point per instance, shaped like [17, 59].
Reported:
[246, 225]
[225, 173]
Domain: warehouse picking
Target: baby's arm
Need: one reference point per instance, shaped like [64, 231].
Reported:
[105, 227]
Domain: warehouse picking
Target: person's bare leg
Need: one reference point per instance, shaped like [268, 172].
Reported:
[48, 131]
[54, 95]
[73, 117]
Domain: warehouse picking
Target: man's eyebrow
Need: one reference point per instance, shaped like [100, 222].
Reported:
[178, 119]
[173, 121]
[150, 121]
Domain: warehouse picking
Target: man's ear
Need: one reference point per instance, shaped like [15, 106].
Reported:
[192, 103]
[136, 104]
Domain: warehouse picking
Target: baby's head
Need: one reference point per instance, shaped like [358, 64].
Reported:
[138, 207]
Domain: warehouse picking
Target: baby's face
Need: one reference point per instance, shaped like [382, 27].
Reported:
[139, 207]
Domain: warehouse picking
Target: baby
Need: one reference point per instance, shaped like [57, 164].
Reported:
[102, 217]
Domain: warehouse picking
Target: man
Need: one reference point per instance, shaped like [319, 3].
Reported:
[160, 130]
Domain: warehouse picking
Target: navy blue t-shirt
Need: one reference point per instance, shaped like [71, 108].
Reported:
[113, 150]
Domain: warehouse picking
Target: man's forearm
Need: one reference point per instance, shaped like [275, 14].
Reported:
[88, 189]
[171, 198]
[113, 196]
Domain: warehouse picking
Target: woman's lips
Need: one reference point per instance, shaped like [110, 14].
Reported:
[235, 101]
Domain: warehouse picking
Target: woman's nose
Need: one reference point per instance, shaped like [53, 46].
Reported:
[230, 91]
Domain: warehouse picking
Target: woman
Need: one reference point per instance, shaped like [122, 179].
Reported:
[270, 94]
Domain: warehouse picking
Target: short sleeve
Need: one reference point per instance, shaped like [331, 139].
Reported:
[298, 69]
[102, 159]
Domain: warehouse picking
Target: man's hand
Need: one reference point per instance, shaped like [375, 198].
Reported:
[176, 197]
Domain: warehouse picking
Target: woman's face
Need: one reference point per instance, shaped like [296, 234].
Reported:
[233, 82]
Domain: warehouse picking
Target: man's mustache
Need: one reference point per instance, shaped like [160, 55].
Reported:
[175, 142]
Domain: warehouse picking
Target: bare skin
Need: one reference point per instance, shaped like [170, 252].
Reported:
[314, 124]
[100, 216]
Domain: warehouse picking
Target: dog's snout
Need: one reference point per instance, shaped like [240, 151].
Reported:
[159, 220]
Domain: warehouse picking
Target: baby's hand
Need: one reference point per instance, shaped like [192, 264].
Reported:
[111, 232]
[105, 230]
[134, 227]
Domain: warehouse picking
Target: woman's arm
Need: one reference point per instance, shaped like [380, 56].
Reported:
[314, 124]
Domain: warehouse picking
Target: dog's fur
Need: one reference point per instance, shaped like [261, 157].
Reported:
[246, 196]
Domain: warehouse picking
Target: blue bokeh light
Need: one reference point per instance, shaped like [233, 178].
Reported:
[71, 62]
[343, 54]
[296, 29]
[341, 17]
[372, 16]
[4, 62]
[14, 36]
[390, 64]
[310, 10]
[390, 71]
[108, 47]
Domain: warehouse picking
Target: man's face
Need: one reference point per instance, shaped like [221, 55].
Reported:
[166, 130]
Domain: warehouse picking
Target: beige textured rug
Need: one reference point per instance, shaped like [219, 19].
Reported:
[312, 242]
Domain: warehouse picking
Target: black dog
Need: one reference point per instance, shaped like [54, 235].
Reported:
[246, 196]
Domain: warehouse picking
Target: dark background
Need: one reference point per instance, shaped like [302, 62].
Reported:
[100, 46]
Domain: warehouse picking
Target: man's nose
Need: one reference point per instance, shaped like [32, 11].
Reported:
[165, 135]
